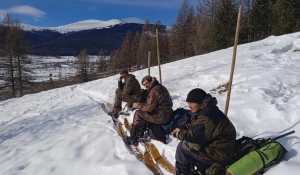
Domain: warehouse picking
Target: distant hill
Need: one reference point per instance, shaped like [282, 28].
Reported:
[76, 26]
[54, 43]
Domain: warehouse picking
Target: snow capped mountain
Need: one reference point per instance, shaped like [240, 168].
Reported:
[76, 26]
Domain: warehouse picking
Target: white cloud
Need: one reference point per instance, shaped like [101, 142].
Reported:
[151, 3]
[23, 10]
[133, 20]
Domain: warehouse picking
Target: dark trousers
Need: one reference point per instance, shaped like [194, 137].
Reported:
[189, 157]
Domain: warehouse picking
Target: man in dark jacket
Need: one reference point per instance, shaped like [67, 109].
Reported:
[128, 91]
[156, 110]
[210, 137]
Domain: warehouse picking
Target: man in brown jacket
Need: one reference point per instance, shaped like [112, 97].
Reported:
[128, 91]
[209, 138]
[156, 110]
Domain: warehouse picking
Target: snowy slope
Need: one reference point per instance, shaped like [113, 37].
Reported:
[76, 26]
[63, 131]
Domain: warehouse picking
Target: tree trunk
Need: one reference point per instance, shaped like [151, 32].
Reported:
[20, 76]
[12, 77]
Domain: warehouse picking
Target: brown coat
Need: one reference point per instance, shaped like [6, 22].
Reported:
[130, 86]
[158, 106]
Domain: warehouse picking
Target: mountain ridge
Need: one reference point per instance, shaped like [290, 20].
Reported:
[76, 26]
[53, 43]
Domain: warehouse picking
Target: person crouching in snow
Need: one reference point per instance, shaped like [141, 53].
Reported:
[208, 139]
[156, 110]
[128, 91]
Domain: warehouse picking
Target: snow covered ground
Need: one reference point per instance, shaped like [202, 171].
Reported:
[41, 67]
[64, 131]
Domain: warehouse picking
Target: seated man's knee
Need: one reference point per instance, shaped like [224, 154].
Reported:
[118, 91]
[182, 169]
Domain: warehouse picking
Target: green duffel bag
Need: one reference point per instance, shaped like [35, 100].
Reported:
[262, 153]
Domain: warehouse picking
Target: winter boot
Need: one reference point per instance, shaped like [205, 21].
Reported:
[115, 111]
[182, 169]
[133, 138]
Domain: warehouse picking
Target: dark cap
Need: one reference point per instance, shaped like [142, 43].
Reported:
[147, 77]
[196, 96]
[124, 71]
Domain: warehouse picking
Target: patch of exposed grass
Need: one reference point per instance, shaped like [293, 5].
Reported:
[222, 88]
[297, 50]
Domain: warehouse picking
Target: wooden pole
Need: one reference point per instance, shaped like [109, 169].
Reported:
[233, 59]
[158, 56]
[149, 63]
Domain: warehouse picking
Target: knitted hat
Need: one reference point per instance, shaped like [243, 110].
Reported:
[196, 96]
[147, 77]
[124, 71]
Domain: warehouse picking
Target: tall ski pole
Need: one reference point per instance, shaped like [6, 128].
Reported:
[149, 62]
[158, 56]
[233, 59]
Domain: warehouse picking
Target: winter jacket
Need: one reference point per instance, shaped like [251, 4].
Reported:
[210, 131]
[159, 102]
[130, 86]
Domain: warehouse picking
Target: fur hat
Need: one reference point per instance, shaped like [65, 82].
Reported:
[147, 77]
[124, 71]
[196, 96]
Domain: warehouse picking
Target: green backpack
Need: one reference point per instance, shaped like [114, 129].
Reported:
[265, 152]
[255, 156]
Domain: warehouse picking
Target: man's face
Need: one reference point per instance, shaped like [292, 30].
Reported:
[124, 75]
[146, 84]
[194, 107]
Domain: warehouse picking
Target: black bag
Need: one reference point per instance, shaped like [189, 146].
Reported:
[157, 133]
[143, 97]
[180, 119]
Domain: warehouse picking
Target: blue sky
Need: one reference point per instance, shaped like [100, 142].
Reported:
[52, 13]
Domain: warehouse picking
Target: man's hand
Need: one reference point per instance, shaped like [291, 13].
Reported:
[175, 132]
[135, 105]
[121, 77]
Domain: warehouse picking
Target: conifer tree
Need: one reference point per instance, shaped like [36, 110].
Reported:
[245, 27]
[8, 43]
[163, 40]
[101, 62]
[182, 31]
[134, 48]
[125, 52]
[208, 8]
[288, 13]
[112, 61]
[261, 19]
[225, 24]
[13, 49]
[143, 46]
[206, 14]
[191, 33]
[20, 49]
[83, 66]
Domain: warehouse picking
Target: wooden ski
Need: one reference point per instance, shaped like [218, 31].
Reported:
[110, 107]
[106, 112]
[154, 152]
[144, 157]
